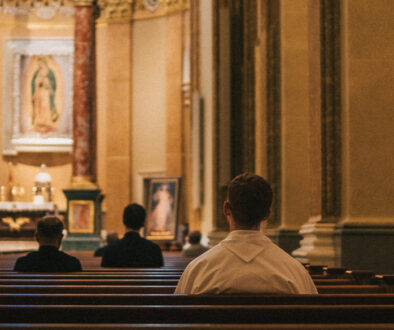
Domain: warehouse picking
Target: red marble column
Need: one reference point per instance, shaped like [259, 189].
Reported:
[84, 123]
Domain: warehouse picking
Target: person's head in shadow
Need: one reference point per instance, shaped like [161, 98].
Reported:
[194, 237]
[49, 231]
[134, 217]
[195, 248]
[249, 199]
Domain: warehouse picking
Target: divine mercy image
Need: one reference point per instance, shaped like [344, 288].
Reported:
[161, 218]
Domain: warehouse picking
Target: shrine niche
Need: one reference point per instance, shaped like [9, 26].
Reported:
[39, 99]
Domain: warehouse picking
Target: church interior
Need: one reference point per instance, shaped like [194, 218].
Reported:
[108, 103]
[189, 93]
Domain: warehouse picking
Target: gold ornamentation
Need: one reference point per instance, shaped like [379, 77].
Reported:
[44, 9]
[111, 10]
[116, 9]
[83, 3]
[142, 10]
[15, 225]
[83, 182]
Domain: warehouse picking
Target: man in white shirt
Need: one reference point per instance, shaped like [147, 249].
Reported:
[246, 261]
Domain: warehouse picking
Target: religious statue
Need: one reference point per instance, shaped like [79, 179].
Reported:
[43, 93]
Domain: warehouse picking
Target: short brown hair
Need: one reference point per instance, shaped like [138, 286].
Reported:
[250, 198]
[50, 226]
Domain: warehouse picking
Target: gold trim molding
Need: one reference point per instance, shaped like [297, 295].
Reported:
[143, 9]
[83, 3]
[111, 10]
[82, 182]
[128, 10]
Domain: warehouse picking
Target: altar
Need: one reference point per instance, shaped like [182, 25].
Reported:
[18, 224]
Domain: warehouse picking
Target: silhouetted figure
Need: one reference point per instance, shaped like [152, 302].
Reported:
[112, 237]
[133, 250]
[48, 258]
[196, 248]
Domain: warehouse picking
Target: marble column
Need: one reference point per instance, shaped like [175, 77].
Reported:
[83, 220]
[84, 123]
[317, 245]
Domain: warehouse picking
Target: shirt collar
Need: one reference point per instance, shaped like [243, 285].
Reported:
[47, 248]
[132, 234]
[246, 244]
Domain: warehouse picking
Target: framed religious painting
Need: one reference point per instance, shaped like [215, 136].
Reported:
[81, 217]
[162, 201]
[37, 95]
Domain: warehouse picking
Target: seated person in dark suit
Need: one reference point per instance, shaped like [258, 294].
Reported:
[48, 258]
[195, 248]
[112, 237]
[133, 250]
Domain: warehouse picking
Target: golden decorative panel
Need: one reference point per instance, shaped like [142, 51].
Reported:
[116, 9]
[110, 10]
[43, 9]
[146, 9]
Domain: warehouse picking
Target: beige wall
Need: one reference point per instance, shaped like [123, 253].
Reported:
[149, 100]
[368, 144]
[114, 119]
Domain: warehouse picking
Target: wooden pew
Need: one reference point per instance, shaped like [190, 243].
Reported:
[124, 281]
[197, 314]
[96, 275]
[110, 289]
[337, 289]
[88, 282]
[200, 326]
[171, 299]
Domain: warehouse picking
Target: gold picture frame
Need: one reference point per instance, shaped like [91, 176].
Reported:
[162, 200]
[37, 89]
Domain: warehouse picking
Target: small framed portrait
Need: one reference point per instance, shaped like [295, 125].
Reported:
[37, 91]
[162, 200]
[81, 217]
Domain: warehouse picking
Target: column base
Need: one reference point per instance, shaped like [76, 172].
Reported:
[81, 243]
[286, 239]
[83, 219]
[216, 236]
[365, 246]
[317, 245]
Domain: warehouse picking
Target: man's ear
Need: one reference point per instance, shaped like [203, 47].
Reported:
[60, 239]
[226, 208]
[268, 215]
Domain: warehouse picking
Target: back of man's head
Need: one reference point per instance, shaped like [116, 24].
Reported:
[194, 237]
[250, 198]
[134, 216]
[49, 230]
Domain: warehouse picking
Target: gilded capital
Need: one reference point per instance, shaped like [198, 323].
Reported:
[116, 9]
[83, 3]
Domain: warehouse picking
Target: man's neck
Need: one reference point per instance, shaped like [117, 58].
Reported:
[128, 230]
[50, 244]
[235, 226]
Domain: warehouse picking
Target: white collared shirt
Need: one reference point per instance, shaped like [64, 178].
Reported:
[246, 261]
